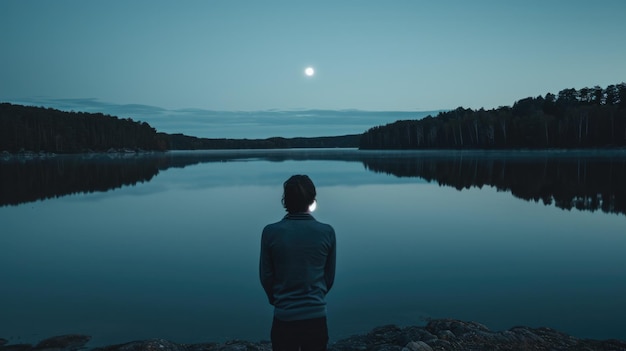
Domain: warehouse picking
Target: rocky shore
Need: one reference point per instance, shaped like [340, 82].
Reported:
[440, 334]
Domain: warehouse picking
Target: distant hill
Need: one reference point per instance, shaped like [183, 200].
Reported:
[184, 142]
[585, 118]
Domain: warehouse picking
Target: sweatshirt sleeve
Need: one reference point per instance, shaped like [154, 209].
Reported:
[329, 270]
[266, 268]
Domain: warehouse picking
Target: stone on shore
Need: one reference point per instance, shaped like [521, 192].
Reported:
[70, 342]
[439, 334]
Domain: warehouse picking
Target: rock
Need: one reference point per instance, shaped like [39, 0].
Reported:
[414, 333]
[458, 328]
[69, 342]
[444, 345]
[145, 345]
[386, 347]
[418, 346]
[441, 335]
[17, 347]
[446, 334]
[165, 345]
[237, 345]
[201, 347]
[388, 334]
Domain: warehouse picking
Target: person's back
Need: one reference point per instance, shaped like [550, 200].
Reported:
[297, 269]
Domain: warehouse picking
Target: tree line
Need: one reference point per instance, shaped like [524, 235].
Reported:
[185, 142]
[39, 129]
[585, 118]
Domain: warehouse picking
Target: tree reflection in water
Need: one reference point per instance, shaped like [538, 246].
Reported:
[585, 180]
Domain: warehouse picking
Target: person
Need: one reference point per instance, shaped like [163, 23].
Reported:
[297, 270]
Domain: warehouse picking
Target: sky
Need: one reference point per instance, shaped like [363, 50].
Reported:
[235, 68]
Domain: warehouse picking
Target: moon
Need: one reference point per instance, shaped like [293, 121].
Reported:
[309, 71]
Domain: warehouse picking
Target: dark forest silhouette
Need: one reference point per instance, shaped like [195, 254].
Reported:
[575, 179]
[185, 142]
[38, 129]
[585, 118]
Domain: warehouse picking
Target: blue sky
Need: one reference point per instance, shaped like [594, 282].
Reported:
[248, 56]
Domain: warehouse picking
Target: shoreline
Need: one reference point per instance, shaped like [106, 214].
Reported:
[437, 334]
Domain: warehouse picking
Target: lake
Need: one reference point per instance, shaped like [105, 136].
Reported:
[166, 245]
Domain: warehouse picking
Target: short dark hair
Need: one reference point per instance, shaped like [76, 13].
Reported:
[298, 193]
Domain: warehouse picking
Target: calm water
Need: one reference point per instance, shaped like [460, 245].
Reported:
[128, 248]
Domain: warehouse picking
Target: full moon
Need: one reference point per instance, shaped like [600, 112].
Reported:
[309, 71]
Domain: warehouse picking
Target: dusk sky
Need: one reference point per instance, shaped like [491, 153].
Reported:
[179, 62]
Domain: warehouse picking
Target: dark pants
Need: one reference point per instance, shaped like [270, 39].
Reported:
[304, 335]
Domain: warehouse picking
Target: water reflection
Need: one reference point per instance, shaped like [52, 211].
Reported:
[177, 256]
[585, 180]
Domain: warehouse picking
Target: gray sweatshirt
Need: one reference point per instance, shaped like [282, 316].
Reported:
[297, 266]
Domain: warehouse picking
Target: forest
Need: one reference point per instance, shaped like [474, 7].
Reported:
[39, 129]
[585, 118]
